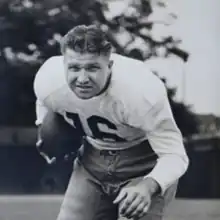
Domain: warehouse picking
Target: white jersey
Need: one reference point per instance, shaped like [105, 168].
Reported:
[132, 109]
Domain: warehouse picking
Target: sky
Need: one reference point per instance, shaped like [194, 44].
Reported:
[198, 25]
[199, 28]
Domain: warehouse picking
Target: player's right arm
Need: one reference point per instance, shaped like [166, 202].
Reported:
[49, 79]
[41, 93]
[41, 112]
[41, 109]
[42, 90]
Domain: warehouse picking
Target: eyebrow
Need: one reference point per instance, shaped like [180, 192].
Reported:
[79, 65]
[93, 64]
[73, 65]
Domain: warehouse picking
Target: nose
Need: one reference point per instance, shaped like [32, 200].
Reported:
[83, 78]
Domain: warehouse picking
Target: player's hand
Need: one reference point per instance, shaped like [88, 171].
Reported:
[134, 201]
[49, 160]
[52, 160]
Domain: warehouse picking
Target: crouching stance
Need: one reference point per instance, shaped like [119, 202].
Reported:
[132, 152]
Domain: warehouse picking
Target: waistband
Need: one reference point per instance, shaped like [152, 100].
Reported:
[144, 148]
[114, 145]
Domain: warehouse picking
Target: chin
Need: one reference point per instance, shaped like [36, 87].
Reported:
[84, 96]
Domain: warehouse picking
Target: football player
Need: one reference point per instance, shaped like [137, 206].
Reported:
[132, 153]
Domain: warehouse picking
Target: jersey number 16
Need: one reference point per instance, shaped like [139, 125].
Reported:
[94, 122]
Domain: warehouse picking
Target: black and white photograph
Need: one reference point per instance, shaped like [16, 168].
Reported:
[109, 109]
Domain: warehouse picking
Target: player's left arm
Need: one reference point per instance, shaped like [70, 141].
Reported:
[148, 109]
[166, 140]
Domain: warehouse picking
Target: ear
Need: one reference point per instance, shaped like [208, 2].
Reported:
[110, 64]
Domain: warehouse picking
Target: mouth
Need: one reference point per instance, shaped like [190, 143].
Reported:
[84, 89]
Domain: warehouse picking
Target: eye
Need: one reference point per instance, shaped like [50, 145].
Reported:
[74, 68]
[92, 68]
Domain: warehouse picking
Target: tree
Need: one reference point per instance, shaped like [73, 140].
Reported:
[186, 120]
[30, 32]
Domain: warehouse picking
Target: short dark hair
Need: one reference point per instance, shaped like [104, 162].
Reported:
[86, 39]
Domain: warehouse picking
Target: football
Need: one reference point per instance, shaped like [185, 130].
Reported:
[58, 137]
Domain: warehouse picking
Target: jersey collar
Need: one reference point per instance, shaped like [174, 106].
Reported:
[106, 85]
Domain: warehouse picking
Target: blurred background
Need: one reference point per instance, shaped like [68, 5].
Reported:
[177, 39]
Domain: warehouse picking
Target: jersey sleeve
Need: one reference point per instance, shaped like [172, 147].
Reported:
[164, 137]
[41, 91]
[41, 111]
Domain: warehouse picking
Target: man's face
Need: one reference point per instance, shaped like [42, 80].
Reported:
[86, 73]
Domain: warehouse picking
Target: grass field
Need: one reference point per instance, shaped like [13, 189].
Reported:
[47, 207]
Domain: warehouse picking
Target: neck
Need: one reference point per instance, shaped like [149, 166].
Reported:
[106, 85]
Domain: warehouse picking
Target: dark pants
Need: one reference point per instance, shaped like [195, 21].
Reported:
[98, 177]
